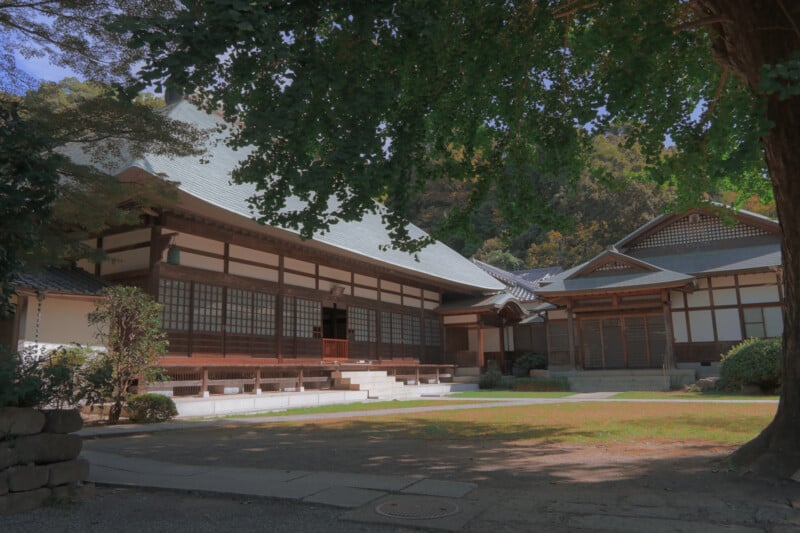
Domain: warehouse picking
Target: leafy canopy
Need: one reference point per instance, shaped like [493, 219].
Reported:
[355, 102]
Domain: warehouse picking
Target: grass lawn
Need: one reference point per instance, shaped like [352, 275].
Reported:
[350, 407]
[509, 394]
[579, 423]
[683, 395]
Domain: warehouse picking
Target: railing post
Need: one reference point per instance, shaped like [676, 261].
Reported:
[257, 385]
[300, 380]
[204, 383]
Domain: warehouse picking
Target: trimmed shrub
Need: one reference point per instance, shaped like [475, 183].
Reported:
[527, 361]
[492, 378]
[754, 362]
[541, 384]
[151, 408]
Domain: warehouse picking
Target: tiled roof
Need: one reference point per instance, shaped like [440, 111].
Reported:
[208, 178]
[583, 278]
[61, 280]
[521, 283]
[715, 260]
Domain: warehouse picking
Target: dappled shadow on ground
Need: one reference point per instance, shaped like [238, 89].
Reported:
[525, 474]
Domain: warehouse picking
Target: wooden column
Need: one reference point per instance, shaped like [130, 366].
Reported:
[204, 384]
[669, 356]
[502, 333]
[279, 312]
[481, 356]
[571, 335]
[257, 384]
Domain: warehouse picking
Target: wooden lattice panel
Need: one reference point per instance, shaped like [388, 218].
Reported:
[696, 228]
[616, 267]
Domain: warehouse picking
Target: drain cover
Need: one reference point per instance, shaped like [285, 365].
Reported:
[417, 509]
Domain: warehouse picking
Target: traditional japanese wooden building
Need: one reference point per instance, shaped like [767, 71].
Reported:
[234, 289]
[674, 294]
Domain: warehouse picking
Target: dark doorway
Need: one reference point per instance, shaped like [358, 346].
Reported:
[334, 323]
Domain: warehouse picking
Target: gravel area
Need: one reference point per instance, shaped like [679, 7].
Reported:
[123, 510]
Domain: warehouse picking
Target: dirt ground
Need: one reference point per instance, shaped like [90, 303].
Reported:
[521, 486]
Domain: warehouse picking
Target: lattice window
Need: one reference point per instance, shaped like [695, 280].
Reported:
[301, 318]
[207, 311]
[263, 314]
[391, 328]
[238, 316]
[433, 332]
[175, 296]
[361, 324]
[411, 330]
[697, 229]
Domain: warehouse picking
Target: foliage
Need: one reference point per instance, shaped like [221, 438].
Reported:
[48, 203]
[20, 380]
[71, 34]
[527, 361]
[128, 323]
[74, 375]
[541, 384]
[28, 180]
[755, 362]
[492, 378]
[149, 408]
[354, 103]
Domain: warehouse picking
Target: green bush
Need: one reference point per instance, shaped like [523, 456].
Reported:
[754, 362]
[20, 380]
[492, 378]
[541, 384]
[151, 408]
[527, 361]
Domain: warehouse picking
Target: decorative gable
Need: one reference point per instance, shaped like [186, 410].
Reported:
[693, 229]
[611, 263]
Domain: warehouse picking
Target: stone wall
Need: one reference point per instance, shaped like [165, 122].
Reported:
[39, 460]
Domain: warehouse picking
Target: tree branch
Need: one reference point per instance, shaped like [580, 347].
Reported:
[702, 22]
[789, 17]
[558, 13]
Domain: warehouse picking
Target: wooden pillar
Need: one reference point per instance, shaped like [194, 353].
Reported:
[502, 333]
[573, 361]
[279, 312]
[299, 380]
[204, 384]
[416, 374]
[669, 356]
[257, 384]
[481, 356]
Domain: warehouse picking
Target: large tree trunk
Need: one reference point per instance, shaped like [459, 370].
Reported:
[753, 33]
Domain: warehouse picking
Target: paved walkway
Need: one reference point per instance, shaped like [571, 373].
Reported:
[329, 488]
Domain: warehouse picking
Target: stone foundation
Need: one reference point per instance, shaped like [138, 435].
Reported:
[39, 460]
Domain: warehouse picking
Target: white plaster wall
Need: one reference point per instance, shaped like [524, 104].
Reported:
[125, 239]
[729, 327]
[250, 271]
[126, 261]
[63, 321]
[202, 262]
[701, 326]
[679, 327]
[257, 256]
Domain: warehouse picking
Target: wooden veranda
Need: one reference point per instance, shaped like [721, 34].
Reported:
[189, 376]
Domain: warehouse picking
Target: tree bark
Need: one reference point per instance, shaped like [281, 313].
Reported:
[757, 33]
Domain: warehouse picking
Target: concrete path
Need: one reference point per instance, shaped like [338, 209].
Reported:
[328, 488]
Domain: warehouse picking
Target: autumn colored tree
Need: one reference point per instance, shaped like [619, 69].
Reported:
[353, 102]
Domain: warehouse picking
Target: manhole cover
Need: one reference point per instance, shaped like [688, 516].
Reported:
[417, 509]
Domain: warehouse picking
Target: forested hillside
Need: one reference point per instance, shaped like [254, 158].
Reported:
[611, 199]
